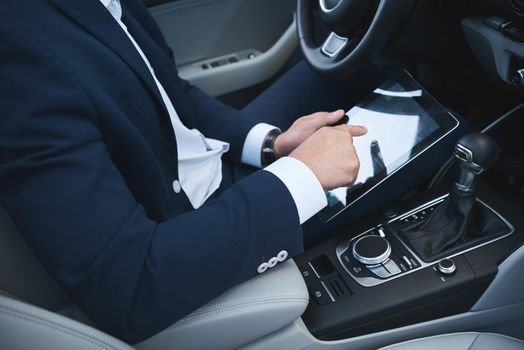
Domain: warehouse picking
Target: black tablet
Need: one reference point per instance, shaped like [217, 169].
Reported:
[403, 121]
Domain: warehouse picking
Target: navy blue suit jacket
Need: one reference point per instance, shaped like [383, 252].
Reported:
[88, 158]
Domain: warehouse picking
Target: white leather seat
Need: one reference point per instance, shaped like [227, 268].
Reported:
[251, 310]
[23, 327]
[461, 341]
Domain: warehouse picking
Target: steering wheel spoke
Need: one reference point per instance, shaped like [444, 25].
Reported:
[342, 54]
[333, 45]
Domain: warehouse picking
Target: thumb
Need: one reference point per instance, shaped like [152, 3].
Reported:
[336, 117]
[321, 119]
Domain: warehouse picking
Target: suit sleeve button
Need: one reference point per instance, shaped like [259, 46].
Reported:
[176, 186]
[263, 268]
[272, 262]
[282, 256]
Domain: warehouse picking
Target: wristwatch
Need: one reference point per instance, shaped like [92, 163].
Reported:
[267, 156]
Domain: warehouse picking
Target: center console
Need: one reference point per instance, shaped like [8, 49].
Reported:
[380, 254]
[426, 258]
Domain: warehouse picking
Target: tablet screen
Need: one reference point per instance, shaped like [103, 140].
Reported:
[402, 121]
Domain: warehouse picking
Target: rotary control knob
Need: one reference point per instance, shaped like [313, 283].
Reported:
[447, 267]
[371, 250]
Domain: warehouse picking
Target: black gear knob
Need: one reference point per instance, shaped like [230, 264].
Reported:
[476, 152]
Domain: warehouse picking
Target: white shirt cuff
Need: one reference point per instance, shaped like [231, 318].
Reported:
[306, 190]
[253, 144]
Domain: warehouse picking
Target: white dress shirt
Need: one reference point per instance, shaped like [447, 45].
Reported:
[199, 158]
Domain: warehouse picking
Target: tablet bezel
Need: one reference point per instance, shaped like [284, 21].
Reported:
[443, 118]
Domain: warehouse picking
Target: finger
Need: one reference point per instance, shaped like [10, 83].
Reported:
[358, 130]
[336, 116]
[321, 119]
[354, 130]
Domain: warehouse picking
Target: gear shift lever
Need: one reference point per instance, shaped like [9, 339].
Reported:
[459, 217]
[476, 153]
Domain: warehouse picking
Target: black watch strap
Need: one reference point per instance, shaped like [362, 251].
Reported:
[267, 156]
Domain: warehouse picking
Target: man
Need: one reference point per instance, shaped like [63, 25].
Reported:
[111, 166]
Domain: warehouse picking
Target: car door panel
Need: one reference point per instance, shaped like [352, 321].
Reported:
[204, 32]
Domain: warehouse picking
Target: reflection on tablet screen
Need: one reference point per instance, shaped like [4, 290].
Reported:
[402, 120]
[389, 140]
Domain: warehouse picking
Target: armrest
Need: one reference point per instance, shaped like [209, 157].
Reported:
[247, 312]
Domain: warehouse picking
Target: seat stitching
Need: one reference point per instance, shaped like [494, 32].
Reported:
[61, 330]
[184, 322]
[473, 342]
[248, 301]
[223, 307]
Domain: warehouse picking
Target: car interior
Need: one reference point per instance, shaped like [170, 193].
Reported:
[374, 284]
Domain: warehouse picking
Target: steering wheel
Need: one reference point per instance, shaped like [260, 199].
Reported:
[359, 30]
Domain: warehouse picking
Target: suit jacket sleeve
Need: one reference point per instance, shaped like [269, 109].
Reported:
[218, 121]
[132, 275]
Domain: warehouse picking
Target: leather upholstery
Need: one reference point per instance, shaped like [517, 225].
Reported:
[460, 218]
[248, 312]
[23, 326]
[461, 341]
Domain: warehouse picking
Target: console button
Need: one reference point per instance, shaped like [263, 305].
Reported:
[320, 294]
[392, 267]
[355, 268]
[380, 271]
[308, 274]
[408, 262]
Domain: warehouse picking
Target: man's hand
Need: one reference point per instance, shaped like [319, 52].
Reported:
[303, 128]
[331, 156]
